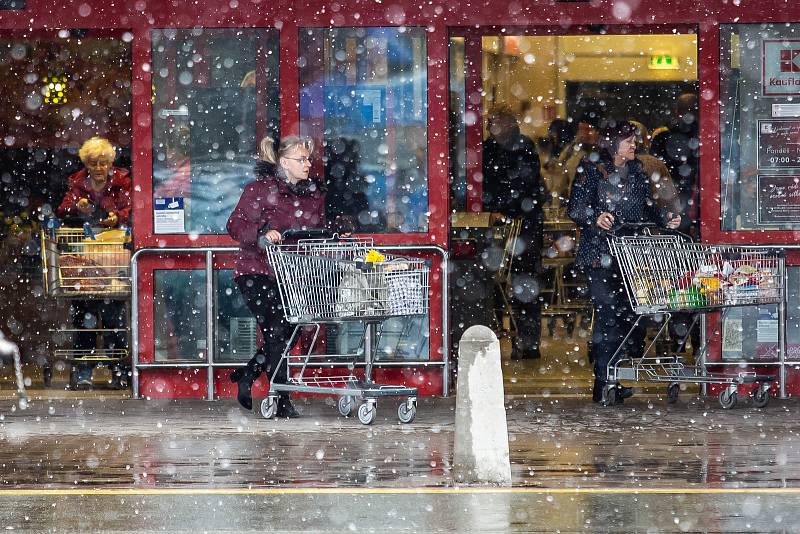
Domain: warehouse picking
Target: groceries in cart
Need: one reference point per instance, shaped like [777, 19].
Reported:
[715, 282]
[83, 262]
[377, 285]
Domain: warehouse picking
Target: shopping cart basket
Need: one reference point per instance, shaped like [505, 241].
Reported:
[332, 281]
[668, 273]
[87, 264]
[78, 262]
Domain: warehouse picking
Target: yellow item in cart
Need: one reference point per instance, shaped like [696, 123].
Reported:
[107, 248]
[709, 284]
[373, 256]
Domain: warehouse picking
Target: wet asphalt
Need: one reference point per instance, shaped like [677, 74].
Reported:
[111, 464]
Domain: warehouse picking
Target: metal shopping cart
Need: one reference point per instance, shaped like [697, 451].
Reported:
[87, 264]
[668, 273]
[333, 281]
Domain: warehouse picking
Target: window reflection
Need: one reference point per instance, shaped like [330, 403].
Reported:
[215, 93]
[751, 333]
[759, 128]
[179, 308]
[363, 94]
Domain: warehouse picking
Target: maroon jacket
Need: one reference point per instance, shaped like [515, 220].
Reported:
[114, 197]
[270, 203]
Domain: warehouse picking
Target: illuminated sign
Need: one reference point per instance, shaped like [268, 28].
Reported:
[663, 62]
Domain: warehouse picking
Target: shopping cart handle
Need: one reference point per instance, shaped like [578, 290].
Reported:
[309, 233]
[644, 226]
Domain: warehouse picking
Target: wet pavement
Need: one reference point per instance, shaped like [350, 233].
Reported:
[600, 466]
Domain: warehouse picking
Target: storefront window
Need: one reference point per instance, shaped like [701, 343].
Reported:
[751, 333]
[179, 306]
[236, 328]
[760, 126]
[215, 95]
[456, 125]
[363, 98]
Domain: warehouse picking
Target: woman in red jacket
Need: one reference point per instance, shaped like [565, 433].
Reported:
[99, 194]
[282, 197]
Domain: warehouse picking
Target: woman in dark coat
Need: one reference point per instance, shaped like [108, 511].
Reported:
[610, 191]
[282, 197]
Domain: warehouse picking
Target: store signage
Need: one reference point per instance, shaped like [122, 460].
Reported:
[663, 62]
[786, 110]
[781, 67]
[779, 144]
[169, 215]
[778, 199]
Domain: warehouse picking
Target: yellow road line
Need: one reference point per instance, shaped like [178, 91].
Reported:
[393, 491]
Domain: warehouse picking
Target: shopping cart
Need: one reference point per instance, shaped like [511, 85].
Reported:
[668, 273]
[87, 264]
[335, 280]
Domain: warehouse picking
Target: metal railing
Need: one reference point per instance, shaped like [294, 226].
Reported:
[210, 363]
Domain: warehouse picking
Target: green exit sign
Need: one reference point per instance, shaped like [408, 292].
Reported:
[663, 62]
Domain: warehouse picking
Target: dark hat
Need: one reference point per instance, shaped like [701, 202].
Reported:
[613, 133]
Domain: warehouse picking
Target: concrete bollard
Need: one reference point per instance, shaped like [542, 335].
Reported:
[481, 440]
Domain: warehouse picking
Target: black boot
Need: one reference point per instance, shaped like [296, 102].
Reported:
[255, 364]
[622, 393]
[244, 395]
[597, 391]
[286, 409]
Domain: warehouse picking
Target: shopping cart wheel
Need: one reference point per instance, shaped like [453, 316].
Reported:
[727, 398]
[672, 393]
[760, 397]
[345, 405]
[406, 413]
[268, 407]
[367, 412]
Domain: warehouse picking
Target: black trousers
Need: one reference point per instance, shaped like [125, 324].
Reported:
[525, 285]
[94, 314]
[261, 295]
[613, 318]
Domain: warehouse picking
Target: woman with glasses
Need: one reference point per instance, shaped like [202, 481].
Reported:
[282, 197]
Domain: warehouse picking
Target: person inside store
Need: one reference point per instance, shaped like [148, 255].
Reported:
[282, 197]
[584, 143]
[512, 185]
[611, 189]
[98, 194]
[679, 147]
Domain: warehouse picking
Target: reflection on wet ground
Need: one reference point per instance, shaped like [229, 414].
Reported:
[118, 465]
[402, 512]
[554, 442]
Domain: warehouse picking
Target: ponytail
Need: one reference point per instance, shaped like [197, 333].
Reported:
[266, 149]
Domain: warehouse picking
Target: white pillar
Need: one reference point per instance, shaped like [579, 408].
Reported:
[481, 432]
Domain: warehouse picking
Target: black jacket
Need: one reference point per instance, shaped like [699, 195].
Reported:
[512, 183]
[624, 193]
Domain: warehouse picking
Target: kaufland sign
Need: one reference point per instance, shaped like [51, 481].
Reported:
[781, 67]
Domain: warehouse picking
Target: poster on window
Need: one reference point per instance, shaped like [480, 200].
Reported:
[779, 144]
[778, 199]
[781, 67]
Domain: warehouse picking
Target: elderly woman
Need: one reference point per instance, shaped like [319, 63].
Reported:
[281, 198]
[99, 194]
[609, 190]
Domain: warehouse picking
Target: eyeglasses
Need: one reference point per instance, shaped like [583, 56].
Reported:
[303, 160]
